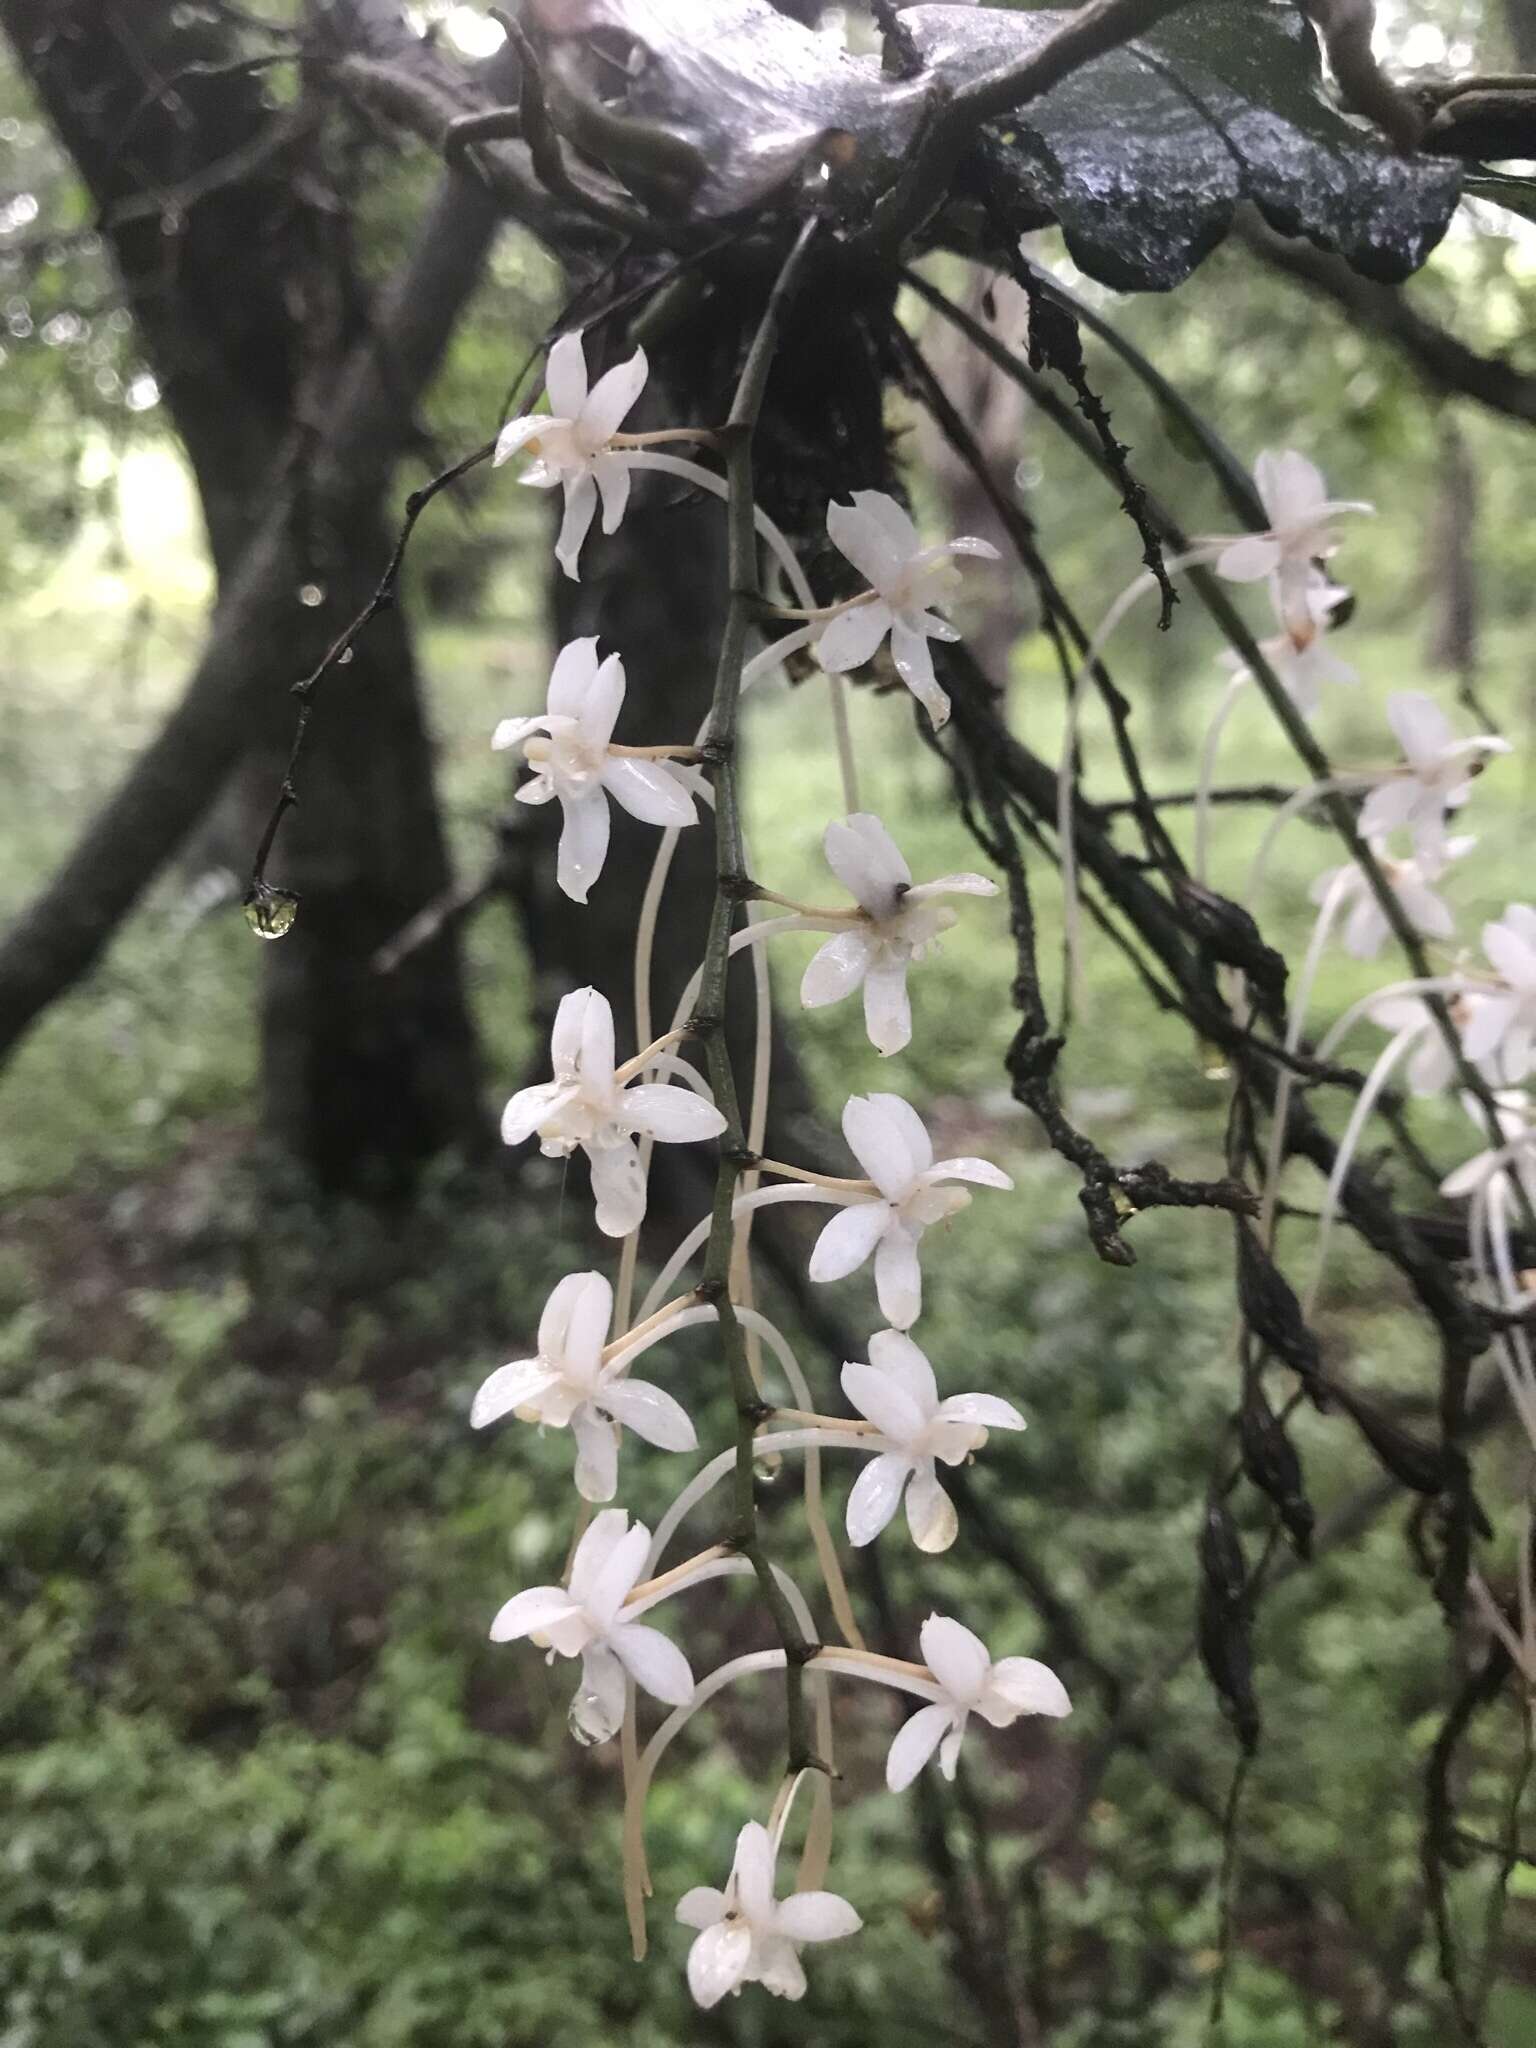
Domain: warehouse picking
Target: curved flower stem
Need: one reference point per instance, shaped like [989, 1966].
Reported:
[811, 1178]
[1339, 1030]
[1298, 801]
[659, 436]
[1295, 1025]
[743, 522]
[761, 1198]
[653, 1330]
[709, 1476]
[641, 1060]
[719, 487]
[1066, 838]
[1391, 1056]
[1209, 749]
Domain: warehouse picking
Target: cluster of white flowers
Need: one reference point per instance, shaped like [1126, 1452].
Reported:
[580, 1376]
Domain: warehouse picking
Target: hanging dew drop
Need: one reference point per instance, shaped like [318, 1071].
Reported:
[765, 1470]
[311, 595]
[586, 1718]
[270, 912]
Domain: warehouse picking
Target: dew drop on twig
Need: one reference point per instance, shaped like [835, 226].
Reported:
[270, 912]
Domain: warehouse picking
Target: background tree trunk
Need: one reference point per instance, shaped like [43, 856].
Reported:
[249, 306]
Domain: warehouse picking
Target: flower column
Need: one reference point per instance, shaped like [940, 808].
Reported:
[708, 1024]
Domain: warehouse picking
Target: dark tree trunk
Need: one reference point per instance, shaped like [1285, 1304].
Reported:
[249, 308]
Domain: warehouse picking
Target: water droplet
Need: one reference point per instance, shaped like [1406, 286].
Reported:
[343, 660]
[1214, 1064]
[766, 1470]
[586, 1720]
[311, 594]
[270, 912]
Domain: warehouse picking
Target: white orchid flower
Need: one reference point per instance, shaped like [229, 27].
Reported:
[586, 1620]
[898, 923]
[1304, 671]
[1436, 778]
[590, 1104]
[878, 537]
[572, 443]
[1366, 929]
[898, 1393]
[569, 749]
[747, 1936]
[1301, 531]
[568, 1385]
[1502, 1026]
[887, 1137]
[963, 1667]
[1431, 1066]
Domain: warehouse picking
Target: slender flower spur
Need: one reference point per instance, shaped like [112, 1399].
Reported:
[898, 1393]
[878, 537]
[571, 444]
[1436, 776]
[1300, 531]
[887, 1137]
[569, 749]
[1514, 1157]
[963, 1667]
[897, 924]
[747, 1936]
[590, 1104]
[585, 1620]
[1502, 1026]
[568, 1385]
[1366, 929]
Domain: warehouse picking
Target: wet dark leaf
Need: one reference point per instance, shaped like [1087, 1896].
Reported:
[1273, 1313]
[1270, 1461]
[1224, 1622]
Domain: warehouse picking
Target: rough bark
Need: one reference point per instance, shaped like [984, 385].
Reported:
[362, 1076]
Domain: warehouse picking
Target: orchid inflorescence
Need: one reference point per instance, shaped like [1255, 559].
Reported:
[580, 1376]
[1468, 1022]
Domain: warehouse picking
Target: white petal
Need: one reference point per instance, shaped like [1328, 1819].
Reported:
[701, 1907]
[597, 1454]
[618, 1188]
[602, 703]
[777, 1967]
[887, 1137]
[603, 1536]
[572, 677]
[532, 1612]
[914, 664]
[957, 1658]
[836, 969]
[752, 1869]
[597, 1037]
[580, 506]
[1388, 806]
[651, 1413]
[965, 884]
[980, 1172]
[615, 1577]
[898, 1277]
[510, 732]
[518, 433]
[873, 1499]
[916, 1740]
[598, 1707]
[566, 1033]
[902, 1361]
[575, 1322]
[675, 1116]
[1422, 728]
[867, 861]
[612, 475]
[717, 1962]
[984, 1411]
[817, 1916]
[583, 844]
[1512, 957]
[1290, 486]
[648, 791]
[1021, 1685]
[853, 637]
[508, 1387]
[1248, 559]
[892, 519]
[565, 375]
[949, 1749]
[887, 1008]
[612, 397]
[847, 1241]
[882, 1400]
[930, 1512]
[653, 1662]
[527, 1110]
[855, 532]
